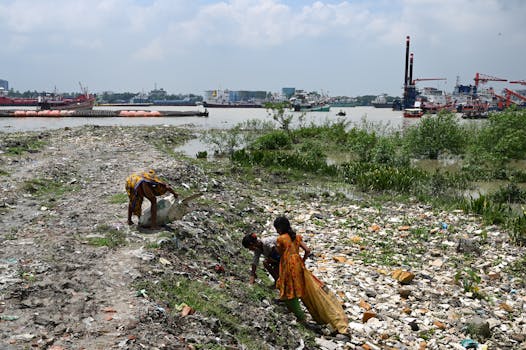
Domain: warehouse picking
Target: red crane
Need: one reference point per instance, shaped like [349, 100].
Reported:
[502, 102]
[483, 78]
[522, 82]
[510, 93]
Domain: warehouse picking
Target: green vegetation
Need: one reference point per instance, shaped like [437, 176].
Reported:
[178, 291]
[469, 280]
[112, 237]
[382, 161]
[47, 190]
[119, 198]
[13, 146]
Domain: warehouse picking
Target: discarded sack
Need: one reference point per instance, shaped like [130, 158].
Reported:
[168, 210]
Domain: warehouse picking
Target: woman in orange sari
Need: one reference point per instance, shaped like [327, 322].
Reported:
[297, 282]
[291, 282]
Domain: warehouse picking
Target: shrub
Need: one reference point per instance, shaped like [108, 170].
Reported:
[272, 141]
[435, 135]
[380, 177]
[505, 135]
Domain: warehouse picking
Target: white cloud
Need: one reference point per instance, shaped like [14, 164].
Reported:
[449, 37]
[154, 51]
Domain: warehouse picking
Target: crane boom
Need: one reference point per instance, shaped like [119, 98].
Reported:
[484, 78]
[513, 93]
[522, 82]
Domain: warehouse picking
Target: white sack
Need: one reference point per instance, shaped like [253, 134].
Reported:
[168, 210]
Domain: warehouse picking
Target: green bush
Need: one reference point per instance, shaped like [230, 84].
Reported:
[435, 135]
[511, 193]
[505, 135]
[272, 141]
[380, 177]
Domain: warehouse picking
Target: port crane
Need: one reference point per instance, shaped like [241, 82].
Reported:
[506, 101]
[510, 93]
[522, 82]
[483, 78]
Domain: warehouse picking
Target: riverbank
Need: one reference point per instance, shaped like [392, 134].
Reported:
[75, 275]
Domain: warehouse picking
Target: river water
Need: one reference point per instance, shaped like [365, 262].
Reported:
[219, 118]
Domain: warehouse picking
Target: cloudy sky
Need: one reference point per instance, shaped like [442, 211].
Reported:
[189, 46]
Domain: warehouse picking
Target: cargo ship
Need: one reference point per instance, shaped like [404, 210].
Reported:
[83, 101]
[232, 105]
[6, 101]
[80, 102]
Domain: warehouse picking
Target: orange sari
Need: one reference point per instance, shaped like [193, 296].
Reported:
[291, 282]
[296, 281]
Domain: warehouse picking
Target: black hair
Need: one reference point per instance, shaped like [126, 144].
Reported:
[249, 239]
[282, 225]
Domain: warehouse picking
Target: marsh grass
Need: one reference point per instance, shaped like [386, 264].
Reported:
[379, 161]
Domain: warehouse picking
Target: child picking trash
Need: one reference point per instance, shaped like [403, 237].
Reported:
[266, 247]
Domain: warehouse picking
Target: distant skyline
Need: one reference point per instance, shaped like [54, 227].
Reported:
[346, 48]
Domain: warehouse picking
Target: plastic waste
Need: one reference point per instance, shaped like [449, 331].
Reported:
[168, 210]
[142, 293]
[469, 344]
[8, 318]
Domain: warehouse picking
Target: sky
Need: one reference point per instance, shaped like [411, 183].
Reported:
[340, 48]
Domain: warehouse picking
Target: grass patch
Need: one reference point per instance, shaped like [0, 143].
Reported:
[176, 290]
[518, 269]
[112, 237]
[119, 198]
[45, 187]
[14, 146]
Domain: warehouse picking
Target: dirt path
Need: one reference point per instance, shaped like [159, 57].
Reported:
[56, 288]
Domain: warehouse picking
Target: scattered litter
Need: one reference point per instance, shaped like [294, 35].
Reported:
[141, 293]
[8, 318]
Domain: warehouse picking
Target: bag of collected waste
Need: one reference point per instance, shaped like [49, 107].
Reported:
[323, 305]
[168, 210]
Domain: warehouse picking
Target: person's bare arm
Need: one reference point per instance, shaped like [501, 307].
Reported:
[306, 249]
[253, 274]
[171, 190]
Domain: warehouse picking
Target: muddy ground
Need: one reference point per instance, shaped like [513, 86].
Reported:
[74, 275]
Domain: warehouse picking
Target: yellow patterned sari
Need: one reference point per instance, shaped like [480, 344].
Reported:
[132, 185]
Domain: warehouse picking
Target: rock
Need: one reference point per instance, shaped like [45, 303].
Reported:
[404, 277]
[404, 292]
[368, 315]
[478, 328]
[468, 246]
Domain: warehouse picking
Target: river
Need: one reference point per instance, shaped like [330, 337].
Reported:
[219, 118]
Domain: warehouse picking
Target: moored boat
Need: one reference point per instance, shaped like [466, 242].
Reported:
[413, 112]
[232, 105]
[6, 101]
[81, 102]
